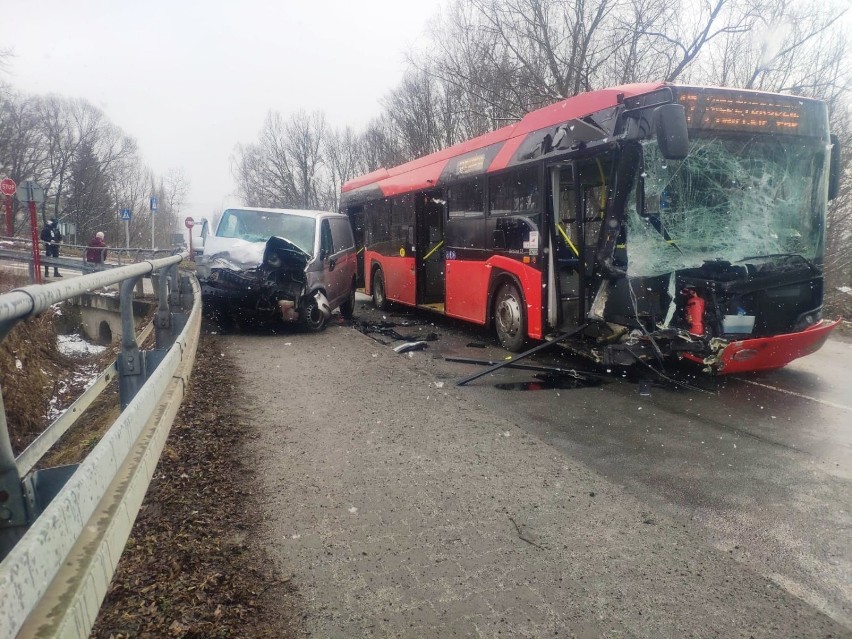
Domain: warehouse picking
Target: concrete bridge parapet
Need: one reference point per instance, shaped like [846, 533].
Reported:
[101, 314]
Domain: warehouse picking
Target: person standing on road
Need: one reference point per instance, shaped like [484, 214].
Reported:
[51, 237]
[96, 252]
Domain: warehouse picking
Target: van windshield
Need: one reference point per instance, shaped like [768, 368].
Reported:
[259, 226]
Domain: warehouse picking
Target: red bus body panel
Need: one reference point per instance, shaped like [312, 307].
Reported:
[423, 173]
[467, 289]
[766, 353]
[531, 284]
[400, 284]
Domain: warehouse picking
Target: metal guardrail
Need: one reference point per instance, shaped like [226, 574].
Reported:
[18, 250]
[62, 530]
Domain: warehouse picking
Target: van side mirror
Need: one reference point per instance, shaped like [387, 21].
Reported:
[672, 135]
[834, 168]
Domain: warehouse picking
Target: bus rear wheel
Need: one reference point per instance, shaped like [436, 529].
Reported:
[379, 299]
[510, 319]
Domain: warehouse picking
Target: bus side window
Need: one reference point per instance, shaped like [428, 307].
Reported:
[514, 192]
[465, 200]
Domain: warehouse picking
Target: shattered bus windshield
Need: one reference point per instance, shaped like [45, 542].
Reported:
[731, 198]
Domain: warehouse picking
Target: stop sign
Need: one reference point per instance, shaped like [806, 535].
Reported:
[189, 222]
[8, 187]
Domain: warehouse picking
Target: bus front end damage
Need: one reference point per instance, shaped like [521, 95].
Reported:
[264, 280]
[759, 314]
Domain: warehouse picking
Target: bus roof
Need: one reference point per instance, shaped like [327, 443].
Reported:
[423, 173]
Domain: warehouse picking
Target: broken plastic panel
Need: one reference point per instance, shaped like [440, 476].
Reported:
[729, 199]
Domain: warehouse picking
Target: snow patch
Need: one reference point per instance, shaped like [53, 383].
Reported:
[75, 346]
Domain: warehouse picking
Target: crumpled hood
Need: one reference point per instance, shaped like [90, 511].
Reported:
[240, 255]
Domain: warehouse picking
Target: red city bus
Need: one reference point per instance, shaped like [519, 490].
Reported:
[663, 221]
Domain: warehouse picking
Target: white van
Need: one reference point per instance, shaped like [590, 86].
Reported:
[295, 265]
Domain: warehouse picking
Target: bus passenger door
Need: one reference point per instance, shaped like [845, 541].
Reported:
[579, 197]
[430, 249]
[356, 218]
[565, 264]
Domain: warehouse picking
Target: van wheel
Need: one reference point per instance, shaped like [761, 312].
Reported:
[310, 315]
[347, 309]
[510, 319]
[379, 299]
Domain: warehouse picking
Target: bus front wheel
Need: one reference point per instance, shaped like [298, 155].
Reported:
[510, 317]
[379, 299]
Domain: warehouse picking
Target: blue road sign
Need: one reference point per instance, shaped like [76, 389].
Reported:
[125, 215]
[153, 203]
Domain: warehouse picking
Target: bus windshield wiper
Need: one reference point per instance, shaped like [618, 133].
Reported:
[769, 256]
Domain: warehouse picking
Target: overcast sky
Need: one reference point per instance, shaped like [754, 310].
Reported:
[191, 79]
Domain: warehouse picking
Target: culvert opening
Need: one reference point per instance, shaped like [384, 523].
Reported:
[104, 333]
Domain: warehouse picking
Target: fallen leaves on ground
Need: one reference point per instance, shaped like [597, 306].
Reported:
[190, 569]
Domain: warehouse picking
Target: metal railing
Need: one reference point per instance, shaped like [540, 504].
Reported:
[62, 530]
[19, 249]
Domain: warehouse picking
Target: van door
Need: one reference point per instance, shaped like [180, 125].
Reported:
[430, 249]
[331, 279]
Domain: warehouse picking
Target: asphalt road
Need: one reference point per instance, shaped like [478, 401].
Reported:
[747, 477]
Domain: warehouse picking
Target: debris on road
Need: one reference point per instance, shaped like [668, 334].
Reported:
[388, 329]
[410, 346]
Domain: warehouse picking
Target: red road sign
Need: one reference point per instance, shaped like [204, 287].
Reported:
[8, 187]
[189, 222]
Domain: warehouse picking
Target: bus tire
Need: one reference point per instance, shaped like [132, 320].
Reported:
[347, 309]
[380, 301]
[510, 318]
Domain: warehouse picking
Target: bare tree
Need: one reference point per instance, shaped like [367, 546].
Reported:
[343, 161]
[284, 167]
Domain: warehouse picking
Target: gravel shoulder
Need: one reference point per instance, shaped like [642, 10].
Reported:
[402, 506]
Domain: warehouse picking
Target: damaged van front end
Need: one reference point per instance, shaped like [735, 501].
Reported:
[263, 280]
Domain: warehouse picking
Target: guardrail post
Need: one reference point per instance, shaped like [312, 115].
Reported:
[163, 323]
[131, 367]
[15, 507]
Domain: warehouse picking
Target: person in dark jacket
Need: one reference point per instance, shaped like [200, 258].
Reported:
[51, 237]
[96, 252]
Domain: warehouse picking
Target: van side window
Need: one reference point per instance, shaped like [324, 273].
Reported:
[228, 227]
[341, 234]
[326, 245]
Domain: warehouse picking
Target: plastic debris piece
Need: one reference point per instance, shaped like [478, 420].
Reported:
[410, 346]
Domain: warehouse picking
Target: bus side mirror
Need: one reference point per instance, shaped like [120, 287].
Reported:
[834, 168]
[672, 136]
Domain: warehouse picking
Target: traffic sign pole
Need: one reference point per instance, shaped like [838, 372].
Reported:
[125, 216]
[8, 188]
[153, 207]
[9, 216]
[189, 223]
[34, 229]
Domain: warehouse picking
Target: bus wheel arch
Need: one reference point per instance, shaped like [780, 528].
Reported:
[377, 287]
[508, 311]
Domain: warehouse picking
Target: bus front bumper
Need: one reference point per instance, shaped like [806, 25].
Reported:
[766, 353]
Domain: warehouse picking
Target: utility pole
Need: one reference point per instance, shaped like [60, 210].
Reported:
[153, 210]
